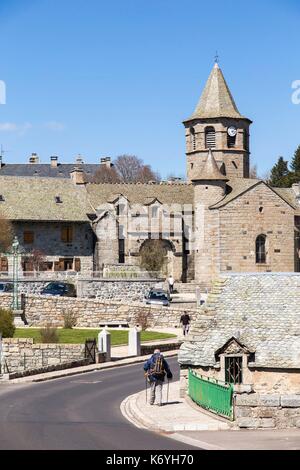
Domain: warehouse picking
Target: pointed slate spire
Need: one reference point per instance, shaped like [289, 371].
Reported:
[209, 170]
[216, 100]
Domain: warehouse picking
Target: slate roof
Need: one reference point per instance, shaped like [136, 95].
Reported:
[209, 170]
[28, 198]
[62, 170]
[289, 195]
[216, 100]
[141, 193]
[262, 311]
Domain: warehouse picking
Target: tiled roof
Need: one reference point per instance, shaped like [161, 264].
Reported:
[262, 311]
[216, 100]
[26, 198]
[62, 170]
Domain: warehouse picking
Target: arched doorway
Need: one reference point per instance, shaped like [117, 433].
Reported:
[158, 255]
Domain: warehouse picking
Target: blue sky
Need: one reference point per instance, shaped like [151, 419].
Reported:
[103, 78]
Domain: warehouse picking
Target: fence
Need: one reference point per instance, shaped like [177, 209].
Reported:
[211, 394]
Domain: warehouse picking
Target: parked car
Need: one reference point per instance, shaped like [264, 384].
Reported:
[62, 289]
[157, 297]
[162, 291]
[6, 287]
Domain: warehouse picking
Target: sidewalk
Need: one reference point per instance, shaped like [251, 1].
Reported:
[176, 415]
[184, 421]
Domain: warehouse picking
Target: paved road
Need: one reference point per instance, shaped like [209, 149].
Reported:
[79, 412]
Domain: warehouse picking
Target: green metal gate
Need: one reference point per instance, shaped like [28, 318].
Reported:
[211, 394]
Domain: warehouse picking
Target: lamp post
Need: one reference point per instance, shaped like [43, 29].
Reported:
[15, 252]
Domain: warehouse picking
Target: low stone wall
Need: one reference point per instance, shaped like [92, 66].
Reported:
[46, 310]
[119, 290]
[267, 411]
[22, 354]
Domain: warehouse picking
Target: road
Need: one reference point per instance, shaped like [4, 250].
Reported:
[81, 412]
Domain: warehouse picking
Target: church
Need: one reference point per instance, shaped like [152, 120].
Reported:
[219, 220]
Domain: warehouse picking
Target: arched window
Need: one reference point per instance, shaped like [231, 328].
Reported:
[210, 137]
[246, 140]
[231, 140]
[193, 138]
[260, 249]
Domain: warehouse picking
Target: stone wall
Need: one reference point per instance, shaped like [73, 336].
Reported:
[259, 211]
[44, 310]
[133, 290]
[22, 354]
[267, 411]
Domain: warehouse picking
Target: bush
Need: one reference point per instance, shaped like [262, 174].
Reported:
[70, 319]
[142, 319]
[49, 335]
[153, 256]
[7, 327]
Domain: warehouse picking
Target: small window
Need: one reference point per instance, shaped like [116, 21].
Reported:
[234, 369]
[234, 164]
[210, 137]
[193, 138]
[2, 198]
[28, 237]
[58, 200]
[261, 209]
[261, 249]
[231, 140]
[67, 234]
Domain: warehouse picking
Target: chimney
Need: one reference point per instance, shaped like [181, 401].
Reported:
[54, 161]
[34, 159]
[78, 176]
[107, 162]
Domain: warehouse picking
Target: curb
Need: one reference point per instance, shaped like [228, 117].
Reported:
[132, 413]
[88, 369]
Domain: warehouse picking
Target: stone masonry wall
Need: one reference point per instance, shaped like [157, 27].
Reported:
[241, 221]
[44, 310]
[267, 411]
[22, 354]
[134, 290]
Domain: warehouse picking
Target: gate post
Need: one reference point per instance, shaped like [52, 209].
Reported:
[134, 342]
[104, 344]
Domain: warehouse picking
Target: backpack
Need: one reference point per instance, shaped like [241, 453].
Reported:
[157, 367]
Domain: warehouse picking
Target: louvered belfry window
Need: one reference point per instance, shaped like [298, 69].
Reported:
[210, 137]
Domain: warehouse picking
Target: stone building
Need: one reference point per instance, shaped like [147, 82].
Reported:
[248, 334]
[219, 220]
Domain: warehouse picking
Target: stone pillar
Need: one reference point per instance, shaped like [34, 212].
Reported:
[104, 343]
[198, 296]
[134, 342]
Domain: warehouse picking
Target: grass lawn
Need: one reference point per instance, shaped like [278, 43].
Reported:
[77, 336]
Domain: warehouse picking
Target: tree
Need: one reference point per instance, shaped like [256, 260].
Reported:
[253, 172]
[153, 255]
[280, 174]
[131, 169]
[6, 234]
[106, 175]
[295, 164]
[7, 327]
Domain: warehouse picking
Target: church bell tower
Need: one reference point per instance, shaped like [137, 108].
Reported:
[216, 124]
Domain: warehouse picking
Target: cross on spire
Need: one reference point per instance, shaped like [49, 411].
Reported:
[216, 58]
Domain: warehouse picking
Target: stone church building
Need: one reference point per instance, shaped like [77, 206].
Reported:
[219, 220]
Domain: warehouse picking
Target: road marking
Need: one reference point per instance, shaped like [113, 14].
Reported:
[90, 382]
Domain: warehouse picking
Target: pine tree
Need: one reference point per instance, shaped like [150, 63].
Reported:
[279, 174]
[295, 164]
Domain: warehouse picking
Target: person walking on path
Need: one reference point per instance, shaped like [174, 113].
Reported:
[155, 370]
[186, 323]
[171, 284]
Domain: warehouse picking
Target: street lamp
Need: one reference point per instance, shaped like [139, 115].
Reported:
[15, 252]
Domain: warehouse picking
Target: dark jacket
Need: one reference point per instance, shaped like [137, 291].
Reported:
[185, 319]
[150, 364]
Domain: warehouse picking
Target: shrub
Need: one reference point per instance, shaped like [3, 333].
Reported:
[49, 334]
[142, 319]
[7, 327]
[153, 256]
[70, 319]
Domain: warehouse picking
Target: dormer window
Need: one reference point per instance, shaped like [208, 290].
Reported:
[58, 200]
[234, 369]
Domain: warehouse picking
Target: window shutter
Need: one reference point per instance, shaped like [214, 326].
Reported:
[77, 264]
